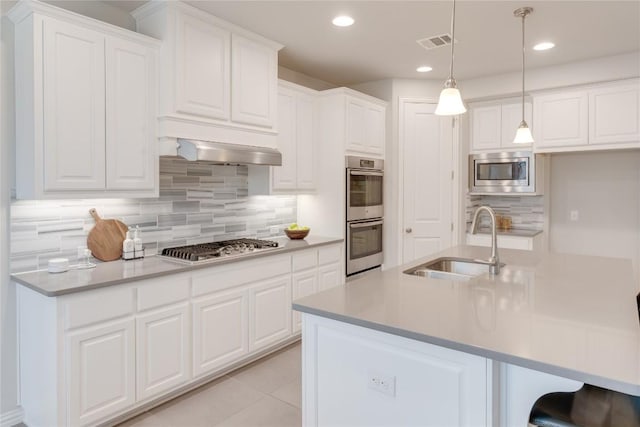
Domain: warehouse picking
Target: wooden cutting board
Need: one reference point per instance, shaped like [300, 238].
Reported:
[105, 239]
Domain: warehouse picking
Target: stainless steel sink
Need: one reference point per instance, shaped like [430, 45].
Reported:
[450, 268]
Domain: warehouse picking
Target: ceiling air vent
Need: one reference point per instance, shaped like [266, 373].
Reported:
[435, 41]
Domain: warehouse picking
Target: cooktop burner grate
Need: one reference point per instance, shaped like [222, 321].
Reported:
[205, 251]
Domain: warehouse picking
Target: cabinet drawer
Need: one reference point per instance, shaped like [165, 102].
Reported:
[162, 291]
[305, 260]
[329, 254]
[97, 306]
[240, 273]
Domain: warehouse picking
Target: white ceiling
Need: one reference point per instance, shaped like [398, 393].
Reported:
[382, 42]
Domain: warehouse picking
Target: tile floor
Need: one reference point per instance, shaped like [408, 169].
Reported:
[265, 393]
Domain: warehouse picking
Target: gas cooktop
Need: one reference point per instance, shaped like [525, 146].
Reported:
[204, 252]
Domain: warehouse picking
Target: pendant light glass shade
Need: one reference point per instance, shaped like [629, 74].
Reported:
[523, 134]
[450, 101]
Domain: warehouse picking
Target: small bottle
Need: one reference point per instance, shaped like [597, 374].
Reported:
[137, 244]
[128, 248]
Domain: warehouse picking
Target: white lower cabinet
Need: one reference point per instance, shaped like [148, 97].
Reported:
[220, 330]
[269, 312]
[303, 284]
[89, 357]
[101, 366]
[162, 350]
[331, 271]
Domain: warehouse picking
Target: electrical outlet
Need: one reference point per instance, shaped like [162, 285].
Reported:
[275, 229]
[574, 215]
[383, 383]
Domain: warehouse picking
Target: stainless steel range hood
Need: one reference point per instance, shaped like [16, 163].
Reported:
[218, 152]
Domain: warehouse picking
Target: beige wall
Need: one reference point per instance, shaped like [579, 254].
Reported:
[604, 187]
[303, 79]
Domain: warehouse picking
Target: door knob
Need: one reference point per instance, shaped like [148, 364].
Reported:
[408, 230]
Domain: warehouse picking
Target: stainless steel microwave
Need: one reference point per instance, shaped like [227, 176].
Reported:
[506, 173]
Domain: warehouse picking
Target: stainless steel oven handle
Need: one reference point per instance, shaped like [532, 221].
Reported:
[365, 224]
[366, 173]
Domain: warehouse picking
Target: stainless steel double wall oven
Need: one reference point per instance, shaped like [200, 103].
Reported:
[364, 215]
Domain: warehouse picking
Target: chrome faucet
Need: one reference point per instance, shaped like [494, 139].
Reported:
[494, 261]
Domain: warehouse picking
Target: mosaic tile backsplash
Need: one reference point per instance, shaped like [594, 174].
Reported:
[526, 212]
[197, 203]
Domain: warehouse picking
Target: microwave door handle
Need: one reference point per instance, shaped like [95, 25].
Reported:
[365, 224]
[366, 173]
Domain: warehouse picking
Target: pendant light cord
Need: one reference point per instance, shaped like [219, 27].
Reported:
[453, 37]
[523, 16]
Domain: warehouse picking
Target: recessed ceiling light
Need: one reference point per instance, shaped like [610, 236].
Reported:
[424, 69]
[543, 46]
[343, 21]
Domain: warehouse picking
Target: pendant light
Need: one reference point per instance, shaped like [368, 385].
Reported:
[523, 134]
[450, 102]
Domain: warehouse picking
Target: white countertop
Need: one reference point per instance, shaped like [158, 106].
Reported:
[116, 272]
[569, 315]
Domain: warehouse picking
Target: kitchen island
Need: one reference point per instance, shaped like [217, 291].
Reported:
[397, 349]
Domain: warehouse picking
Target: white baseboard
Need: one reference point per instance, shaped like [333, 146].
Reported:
[11, 418]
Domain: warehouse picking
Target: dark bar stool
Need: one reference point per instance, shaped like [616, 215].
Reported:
[590, 406]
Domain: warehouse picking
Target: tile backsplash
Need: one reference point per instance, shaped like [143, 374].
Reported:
[197, 203]
[526, 212]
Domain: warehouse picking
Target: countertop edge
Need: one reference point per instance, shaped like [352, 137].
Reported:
[173, 267]
[623, 387]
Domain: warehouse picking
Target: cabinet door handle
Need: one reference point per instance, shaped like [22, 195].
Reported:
[408, 229]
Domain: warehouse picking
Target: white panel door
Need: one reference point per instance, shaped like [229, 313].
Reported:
[306, 168]
[330, 276]
[303, 284]
[614, 114]
[511, 118]
[202, 68]
[427, 142]
[375, 129]
[101, 368]
[254, 82]
[356, 116]
[130, 116]
[561, 119]
[486, 130]
[162, 350]
[269, 312]
[284, 177]
[74, 107]
[219, 330]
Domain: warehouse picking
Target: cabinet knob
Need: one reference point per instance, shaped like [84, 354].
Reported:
[408, 229]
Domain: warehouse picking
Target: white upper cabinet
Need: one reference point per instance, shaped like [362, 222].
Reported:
[85, 107]
[73, 97]
[365, 121]
[493, 126]
[561, 119]
[131, 149]
[295, 139]
[614, 114]
[202, 68]
[218, 82]
[598, 117]
[254, 76]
